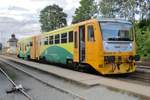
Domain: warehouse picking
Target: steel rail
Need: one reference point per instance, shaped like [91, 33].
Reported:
[28, 73]
[13, 83]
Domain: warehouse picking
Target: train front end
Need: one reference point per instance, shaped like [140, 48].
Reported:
[118, 39]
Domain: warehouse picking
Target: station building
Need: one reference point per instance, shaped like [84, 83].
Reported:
[12, 44]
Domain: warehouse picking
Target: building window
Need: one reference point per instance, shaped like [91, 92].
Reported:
[90, 33]
[71, 36]
[46, 41]
[64, 38]
[57, 39]
[50, 39]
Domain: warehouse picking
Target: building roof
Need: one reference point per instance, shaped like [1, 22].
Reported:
[13, 38]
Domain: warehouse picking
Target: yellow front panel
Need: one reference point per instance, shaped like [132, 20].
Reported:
[94, 51]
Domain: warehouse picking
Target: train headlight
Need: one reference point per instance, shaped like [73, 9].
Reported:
[106, 46]
[130, 45]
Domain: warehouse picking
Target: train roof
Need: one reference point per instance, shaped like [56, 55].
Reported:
[27, 38]
[114, 20]
[70, 26]
[77, 24]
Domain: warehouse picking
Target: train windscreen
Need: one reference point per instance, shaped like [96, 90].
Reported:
[116, 31]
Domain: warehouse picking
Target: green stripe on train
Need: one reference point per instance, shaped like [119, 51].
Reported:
[26, 54]
[56, 54]
[20, 53]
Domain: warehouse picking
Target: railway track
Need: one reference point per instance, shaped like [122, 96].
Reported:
[18, 67]
[21, 66]
[142, 76]
[144, 68]
[142, 73]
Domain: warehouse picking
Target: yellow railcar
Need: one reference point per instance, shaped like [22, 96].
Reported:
[107, 45]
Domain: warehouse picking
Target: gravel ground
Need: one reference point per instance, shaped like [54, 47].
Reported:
[40, 91]
[36, 89]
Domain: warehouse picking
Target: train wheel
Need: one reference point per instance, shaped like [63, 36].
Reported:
[76, 66]
[18, 56]
[28, 57]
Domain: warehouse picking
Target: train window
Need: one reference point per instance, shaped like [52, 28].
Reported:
[57, 39]
[64, 38]
[42, 41]
[71, 36]
[75, 40]
[50, 39]
[30, 44]
[90, 30]
[46, 41]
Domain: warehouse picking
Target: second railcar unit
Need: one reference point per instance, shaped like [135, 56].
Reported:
[106, 45]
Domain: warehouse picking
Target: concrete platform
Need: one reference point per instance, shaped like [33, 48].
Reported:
[88, 79]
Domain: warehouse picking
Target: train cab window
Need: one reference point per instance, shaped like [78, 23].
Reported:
[50, 39]
[64, 38]
[57, 39]
[71, 36]
[46, 41]
[90, 30]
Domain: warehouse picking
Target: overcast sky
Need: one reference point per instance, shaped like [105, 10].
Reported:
[22, 16]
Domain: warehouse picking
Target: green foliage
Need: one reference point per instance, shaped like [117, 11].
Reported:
[126, 9]
[143, 38]
[52, 17]
[143, 8]
[86, 11]
[108, 8]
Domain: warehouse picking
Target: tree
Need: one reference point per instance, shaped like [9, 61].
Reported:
[52, 17]
[118, 8]
[143, 37]
[127, 9]
[108, 8]
[86, 11]
[144, 9]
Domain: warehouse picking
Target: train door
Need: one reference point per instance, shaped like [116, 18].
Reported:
[82, 43]
[37, 47]
[33, 48]
[91, 51]
[76, 45]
